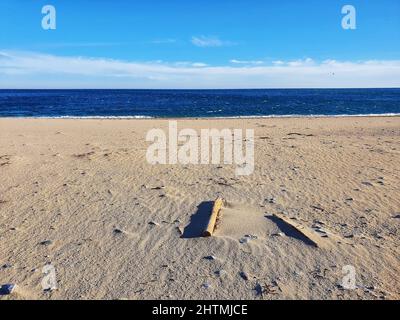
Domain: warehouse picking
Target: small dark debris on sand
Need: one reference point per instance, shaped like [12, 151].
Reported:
[220, 273]
[157, 188]
[244, 275]
[367, 183]
[270, 200]
[247, 238]
[46, 242]
[7, 289]
[206, 285]
[318, 208]
[300, 134]
[266, 289]
[117, 231]
[83, 155]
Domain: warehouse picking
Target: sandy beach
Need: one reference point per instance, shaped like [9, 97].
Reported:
[79, 195]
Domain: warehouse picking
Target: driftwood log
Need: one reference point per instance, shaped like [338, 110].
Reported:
[218, 203]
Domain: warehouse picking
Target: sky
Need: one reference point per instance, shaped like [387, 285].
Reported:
[199, 44]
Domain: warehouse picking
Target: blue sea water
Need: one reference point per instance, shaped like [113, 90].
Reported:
[198, 103]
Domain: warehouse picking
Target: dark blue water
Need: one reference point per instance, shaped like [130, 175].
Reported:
[197, 103]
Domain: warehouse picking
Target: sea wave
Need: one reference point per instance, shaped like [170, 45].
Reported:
[213, 117]
[88, 117]
[310, 116]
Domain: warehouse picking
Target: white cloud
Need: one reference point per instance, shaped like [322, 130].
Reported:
[199, 64]
[204, 41]
[36, 70]
[250, 62]
[190, 64]
[298, 63]
[301, 63]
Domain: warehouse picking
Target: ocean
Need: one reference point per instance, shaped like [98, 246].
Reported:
[198, 103]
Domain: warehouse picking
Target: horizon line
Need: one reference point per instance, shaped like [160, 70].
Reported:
[209, 89]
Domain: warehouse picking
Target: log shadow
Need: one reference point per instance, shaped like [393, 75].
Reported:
[198, 221]
[290, 231]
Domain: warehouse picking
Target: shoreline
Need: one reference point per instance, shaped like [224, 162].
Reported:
[385, 115]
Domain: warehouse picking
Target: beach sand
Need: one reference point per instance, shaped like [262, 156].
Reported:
[80, 195]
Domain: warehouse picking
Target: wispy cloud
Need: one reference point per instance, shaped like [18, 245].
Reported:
[190, 64]
[36, 70]
[210, 41]
[307, 62]
[247, 62]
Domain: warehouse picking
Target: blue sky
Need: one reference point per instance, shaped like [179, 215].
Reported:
[235, 43]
